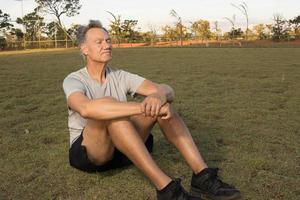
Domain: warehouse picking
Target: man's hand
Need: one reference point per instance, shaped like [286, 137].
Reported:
[166, 112]
[152, 104]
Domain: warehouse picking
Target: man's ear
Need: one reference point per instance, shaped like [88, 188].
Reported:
[84, 49]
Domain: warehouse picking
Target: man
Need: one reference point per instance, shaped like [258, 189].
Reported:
[107, 132]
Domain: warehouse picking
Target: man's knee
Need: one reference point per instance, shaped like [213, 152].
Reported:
[117, 121]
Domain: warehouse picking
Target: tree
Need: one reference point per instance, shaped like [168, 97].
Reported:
[169, 33]
[242, 6]
[269, 28]
[128, 32]
[179, 25]
[4, 21]
[72, 31]
[115, 28]
[152, 34]
[18, 33]
[280, 28]
[59, 7]
[296, 26]
[260, 31]
[217, 31]
[33, 24]
[232, 22]
[54, 31]
[235, 33]
[3, 43]
[202, 29]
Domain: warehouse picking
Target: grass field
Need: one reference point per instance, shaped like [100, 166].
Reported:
[241, 105]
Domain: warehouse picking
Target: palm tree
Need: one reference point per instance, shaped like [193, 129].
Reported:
[242, 6]
[115, 26]
[173, 13]
[232, 22]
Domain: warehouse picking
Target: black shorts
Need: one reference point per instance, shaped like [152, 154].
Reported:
[78, 157]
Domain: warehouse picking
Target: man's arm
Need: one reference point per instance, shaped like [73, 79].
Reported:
[105, 108]
[163, 90]
[156, 96]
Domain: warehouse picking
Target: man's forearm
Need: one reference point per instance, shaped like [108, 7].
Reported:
[108, 108]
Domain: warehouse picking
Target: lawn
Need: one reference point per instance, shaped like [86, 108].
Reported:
[242, 106]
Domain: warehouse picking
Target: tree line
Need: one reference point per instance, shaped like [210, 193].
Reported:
[36, 29]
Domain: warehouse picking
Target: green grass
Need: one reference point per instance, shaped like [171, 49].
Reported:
[241, 105]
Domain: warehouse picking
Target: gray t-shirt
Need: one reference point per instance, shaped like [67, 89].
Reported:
[118, 84]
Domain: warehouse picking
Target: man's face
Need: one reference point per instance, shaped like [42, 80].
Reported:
[97, 46]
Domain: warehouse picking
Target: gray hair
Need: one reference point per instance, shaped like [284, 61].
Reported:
[82, 30]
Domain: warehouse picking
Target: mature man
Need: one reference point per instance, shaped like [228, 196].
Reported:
[107, 132]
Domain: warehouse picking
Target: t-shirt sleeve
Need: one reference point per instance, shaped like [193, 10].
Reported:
[130, 81]
[71, 85]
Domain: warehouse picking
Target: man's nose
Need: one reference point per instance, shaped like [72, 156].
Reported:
[106, 44]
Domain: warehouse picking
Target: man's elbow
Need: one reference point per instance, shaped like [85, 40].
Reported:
[84, 112]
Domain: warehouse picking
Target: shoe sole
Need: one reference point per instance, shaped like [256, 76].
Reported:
[198, 193]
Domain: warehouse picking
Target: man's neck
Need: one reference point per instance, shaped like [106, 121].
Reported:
[97, 71]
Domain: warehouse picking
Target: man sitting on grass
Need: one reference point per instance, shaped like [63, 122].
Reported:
[107, 132]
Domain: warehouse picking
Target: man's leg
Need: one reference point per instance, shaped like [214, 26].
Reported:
[101, 137]
[205, 181]
[178, 134]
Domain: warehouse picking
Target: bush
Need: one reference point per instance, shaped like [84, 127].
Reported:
[3, 43]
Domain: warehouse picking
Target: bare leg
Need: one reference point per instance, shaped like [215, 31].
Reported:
[121, 133]
[127, 140]
[178, 134]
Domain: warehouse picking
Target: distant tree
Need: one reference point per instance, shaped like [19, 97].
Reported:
[54, 31]
[115, 28]
[179, 25]
[17, 32]
[242, 6]
[202, 29]
[128, 32]
[235, 33]
[3, 43]
[232, 22]
[4, 21]
[295, 23]
[280, 28]
[269, 29]
[169, 33]
[260, 31]
[217, 31]
[60, 7]
[152, 34]
[33, 24]
[72, 31]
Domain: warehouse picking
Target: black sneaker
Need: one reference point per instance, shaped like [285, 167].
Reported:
[207, 183]
[174, 191]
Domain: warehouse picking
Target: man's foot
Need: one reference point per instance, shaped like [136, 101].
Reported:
[207, 183]
[174, 191]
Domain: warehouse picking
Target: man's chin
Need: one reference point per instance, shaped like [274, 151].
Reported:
[105, 60]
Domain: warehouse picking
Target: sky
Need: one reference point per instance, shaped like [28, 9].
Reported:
[157, 12]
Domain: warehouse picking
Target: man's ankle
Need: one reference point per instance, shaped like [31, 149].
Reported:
[163, 184]
[200, 169]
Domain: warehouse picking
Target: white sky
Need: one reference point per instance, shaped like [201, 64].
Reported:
[156, 12]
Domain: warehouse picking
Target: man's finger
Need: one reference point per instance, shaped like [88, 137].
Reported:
[143, 107]
[168, 116]
[148, 110]
[153, 110]
[157, 109]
